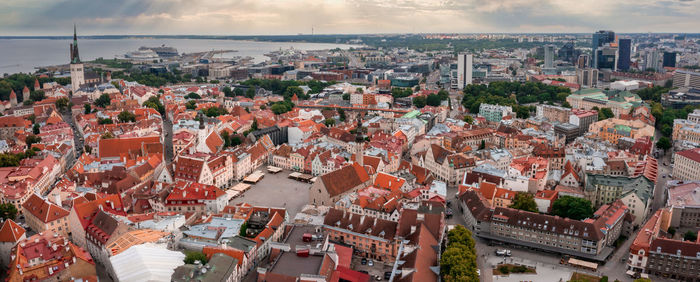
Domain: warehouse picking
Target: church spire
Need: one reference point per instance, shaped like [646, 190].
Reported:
[74, 55]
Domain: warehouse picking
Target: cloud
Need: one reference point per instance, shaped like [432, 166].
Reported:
[233, 17]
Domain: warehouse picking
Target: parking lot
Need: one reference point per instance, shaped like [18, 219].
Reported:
[276, 190]
[375, 270]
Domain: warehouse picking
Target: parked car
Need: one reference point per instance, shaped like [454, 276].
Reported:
[503, 252]
[387, 275]
[370, 263]
[363, 261]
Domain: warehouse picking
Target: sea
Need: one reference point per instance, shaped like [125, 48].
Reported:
[25, 55]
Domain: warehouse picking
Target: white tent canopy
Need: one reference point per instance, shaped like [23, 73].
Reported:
[146, 262]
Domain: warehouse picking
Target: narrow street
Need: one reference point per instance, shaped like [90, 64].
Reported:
[168, 139]
[78, 140]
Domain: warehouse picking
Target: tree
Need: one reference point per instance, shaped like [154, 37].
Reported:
[104, 120]
[663, 143]
[107, 135]
[294, 90]
[254, 126]
[572, 207]
[458, 262]
[671, 231]
[524, 201]
[8, 211]
[482, 145]
[35, 129]
[401, 92]
[88, 108]
[329, 122]
[605, 113]
[346, 96]
[227, 91]
[103, 101]
[62, 104]
[250, 93]
[32, 139]
[468, 119]
[690, 236]
[238, 91]
[359, 90]
[193, 95]
[420, 101]
[235, 141]
[154, 103]
[192, 257]
[434, 100]
[191, 105]
[566, 104]
[243, 232]
[126, 116]
[214, 111]
[341, 113]
[32, 118]
[37, 95]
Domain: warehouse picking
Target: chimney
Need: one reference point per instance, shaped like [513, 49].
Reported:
[111, 204]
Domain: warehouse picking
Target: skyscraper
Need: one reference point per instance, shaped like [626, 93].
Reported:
[653, 60]
[549, 56]
[669, 59]
[600, 38]
[624, 52]
[606, 57]
[77, 73]
[464, 70]
[568, 53]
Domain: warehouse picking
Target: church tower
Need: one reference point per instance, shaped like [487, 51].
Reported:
[77, 74]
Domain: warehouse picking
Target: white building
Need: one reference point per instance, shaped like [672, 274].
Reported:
[464, 70]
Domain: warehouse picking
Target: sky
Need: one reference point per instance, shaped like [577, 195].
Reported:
[275, 17]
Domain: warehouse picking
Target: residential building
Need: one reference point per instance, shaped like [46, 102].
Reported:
[494, 113]
[583, 119]
[446, 165]
[42, 215]
[613, 129]
[220, 267]
[686, 78]
[686, 164]
[195, 197]
[553, 113]
[684, 203]
[591, 239]
[635, 192]
[10, 234]
[331, 186]
[49, 256]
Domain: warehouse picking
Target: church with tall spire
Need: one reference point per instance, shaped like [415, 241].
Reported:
[77, 72]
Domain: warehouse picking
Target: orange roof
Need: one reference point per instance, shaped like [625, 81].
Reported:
[388, 181]
[43, 210]
[234, 253]
[116, 146]
[11, 231]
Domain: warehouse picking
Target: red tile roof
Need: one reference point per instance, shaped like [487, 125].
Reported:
[11, 232]
[43, 210]
[135, 146]
[344, 179]
[692, 154]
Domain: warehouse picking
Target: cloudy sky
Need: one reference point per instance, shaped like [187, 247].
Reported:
[248, 17]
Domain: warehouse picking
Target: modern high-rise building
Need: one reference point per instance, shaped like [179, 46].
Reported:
[653, 60]
[549, 56]
[606, 57]
[624, 54]
[587, 77]
[583, 61]
[600, 38]
[464, 70]
[669, 59]
[77, 73]
[568, 53]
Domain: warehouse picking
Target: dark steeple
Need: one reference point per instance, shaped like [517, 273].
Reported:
[74, 56]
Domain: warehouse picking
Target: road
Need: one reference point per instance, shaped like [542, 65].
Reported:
[353, 61]
[78, 140]
[168, 139]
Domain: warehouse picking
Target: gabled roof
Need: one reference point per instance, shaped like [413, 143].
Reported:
[344, 179]
[11, 232]
[43, 210]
